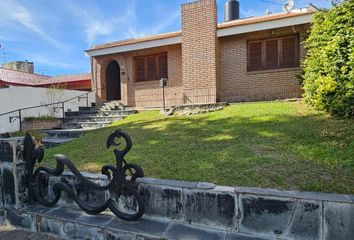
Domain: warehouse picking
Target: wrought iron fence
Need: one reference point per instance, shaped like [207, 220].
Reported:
[121, 179]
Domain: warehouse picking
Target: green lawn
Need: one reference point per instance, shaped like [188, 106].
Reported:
[285, 145]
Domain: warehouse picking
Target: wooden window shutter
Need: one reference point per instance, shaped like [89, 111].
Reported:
[272, 54]
[289, 52]
[255, 55]
[151, 68]
[163, 66]
[140, 69]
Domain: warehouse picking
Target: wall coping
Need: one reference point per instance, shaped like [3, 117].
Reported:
[12, 139]
[205, 186]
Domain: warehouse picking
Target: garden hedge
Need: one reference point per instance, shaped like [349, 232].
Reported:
[328, 79]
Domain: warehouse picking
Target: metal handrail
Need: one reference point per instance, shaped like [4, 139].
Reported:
[62, 103]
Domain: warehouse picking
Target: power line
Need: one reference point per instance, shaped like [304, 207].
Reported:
[3, 53]
[271, 2]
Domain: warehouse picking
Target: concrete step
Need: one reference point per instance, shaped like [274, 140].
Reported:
[93, 125]
[79, 117]
[92, 121]
[87, 109]
[117, 112]
[64, 133]
[111, 119]
[70, 126]
[88, 112]
[50, 142]
[82, 112]
[71, 223]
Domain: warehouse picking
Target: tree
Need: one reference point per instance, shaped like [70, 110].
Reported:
[54, 94]
[328, 79]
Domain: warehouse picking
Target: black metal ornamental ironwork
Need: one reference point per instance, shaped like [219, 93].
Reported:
[121, 179]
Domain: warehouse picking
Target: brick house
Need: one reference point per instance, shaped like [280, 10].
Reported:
[248, 59]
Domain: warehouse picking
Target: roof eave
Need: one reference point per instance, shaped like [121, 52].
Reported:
[266, 25]
[134, 46]
[221, 32]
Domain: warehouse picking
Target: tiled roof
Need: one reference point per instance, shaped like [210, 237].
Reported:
[28, 79]
[68, 78]
[22, 78]
[265, 18]
[137, 40]
[238, 22]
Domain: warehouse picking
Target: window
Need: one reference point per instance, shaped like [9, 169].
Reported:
[153, 67]
[273, 53]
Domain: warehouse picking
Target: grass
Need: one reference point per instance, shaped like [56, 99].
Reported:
[284, 145]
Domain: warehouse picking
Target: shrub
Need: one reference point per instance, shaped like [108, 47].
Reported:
[40, 118]
[328, 79]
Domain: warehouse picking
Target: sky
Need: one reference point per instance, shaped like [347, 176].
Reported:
[54, 33]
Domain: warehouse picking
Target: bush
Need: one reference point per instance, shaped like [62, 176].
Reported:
[328, 79]
[40, 118]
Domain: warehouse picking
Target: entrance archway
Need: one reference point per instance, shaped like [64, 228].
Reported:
[113, 91]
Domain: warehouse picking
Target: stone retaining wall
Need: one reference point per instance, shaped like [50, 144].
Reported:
[13, 191]
[265, 212]
[189, 109]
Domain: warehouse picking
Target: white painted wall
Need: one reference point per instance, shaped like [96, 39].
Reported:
[13, 98]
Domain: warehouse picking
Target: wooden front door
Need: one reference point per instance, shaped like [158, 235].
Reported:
[113, 81]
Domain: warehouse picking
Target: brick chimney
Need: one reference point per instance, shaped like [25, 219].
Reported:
[199, 51]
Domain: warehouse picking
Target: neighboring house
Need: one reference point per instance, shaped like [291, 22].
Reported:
[81, 82]
[9, 77]
[249, 59]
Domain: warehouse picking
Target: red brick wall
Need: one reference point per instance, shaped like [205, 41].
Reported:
[236, 84]
[145, 94]
[199, 51]
[204, 69]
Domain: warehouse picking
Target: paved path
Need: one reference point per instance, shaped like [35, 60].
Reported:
[7, 233]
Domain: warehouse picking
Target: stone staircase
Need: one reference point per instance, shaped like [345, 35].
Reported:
[86, 118]
[92, 118]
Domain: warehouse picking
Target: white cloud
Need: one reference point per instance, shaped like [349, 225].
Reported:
[158, 27]
[97, 24]
[124, 23]
[318, 3]
[6, 38]
[45, 59]
[12, 11]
